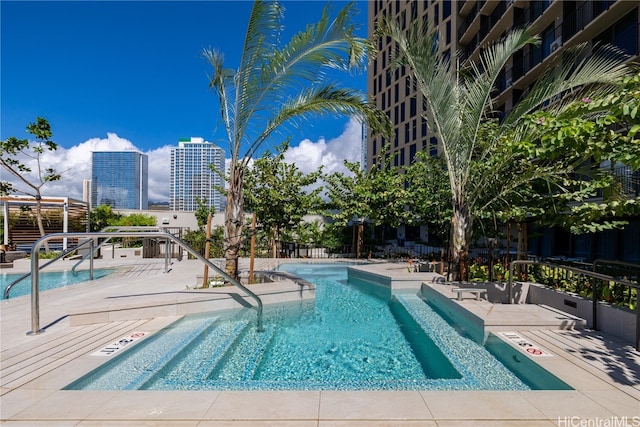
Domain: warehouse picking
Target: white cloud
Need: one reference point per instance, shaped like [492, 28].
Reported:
[159, 173]
[75, 163]
[309, 155]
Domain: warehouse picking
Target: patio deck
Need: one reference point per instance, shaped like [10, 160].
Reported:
[604, 371]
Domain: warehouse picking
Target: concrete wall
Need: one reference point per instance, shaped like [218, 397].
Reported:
[616, 321]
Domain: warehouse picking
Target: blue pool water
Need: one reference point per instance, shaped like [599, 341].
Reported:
[49, 280]
[352, 337]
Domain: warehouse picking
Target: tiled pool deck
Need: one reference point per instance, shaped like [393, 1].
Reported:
[604, 371]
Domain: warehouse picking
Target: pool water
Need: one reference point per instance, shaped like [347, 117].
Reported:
[49, 280]
[352, 337]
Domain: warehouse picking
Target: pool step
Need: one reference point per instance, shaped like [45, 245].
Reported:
[474, 362]
[242, 361]
[202, 357]
[137, 364]
[196, 332]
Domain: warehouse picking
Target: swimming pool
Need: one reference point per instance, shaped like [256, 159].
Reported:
[49, 280]
[354, 336]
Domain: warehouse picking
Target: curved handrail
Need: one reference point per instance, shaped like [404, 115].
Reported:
[35, 288]
[115, 228]
[7, 290]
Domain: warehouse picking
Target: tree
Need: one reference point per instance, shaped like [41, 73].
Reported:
[136, 220]
[458, 100]
[256, 99]
[102, 216]
[588, 140]
[429, 195]
[279, 194]
[202, 213]
[31, 152]
[377, 196]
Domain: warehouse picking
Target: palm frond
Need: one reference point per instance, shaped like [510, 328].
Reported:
[323, 101]
[222, 82]
[273, 73]
[604, 68]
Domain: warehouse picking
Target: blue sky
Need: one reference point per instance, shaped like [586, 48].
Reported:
[122, 73]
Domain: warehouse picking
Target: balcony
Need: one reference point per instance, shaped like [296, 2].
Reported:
[579, 18]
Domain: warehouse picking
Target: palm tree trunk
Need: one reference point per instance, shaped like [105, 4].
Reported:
[234, 220]
[461, 226]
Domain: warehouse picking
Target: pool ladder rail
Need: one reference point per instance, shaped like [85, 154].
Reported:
[64, 253]
[7, 289]
[35, 268]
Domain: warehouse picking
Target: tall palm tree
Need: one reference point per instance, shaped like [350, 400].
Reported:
[256, 98]
[459, 103]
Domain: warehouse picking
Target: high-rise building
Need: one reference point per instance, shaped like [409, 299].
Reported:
[465, 26]
[86, 191]
[197, 170]
[119, 179]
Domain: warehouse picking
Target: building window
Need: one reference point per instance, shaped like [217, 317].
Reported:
[623, 34]
[412, 153]
[433, 147]
[412, 107]
[447, 33]
[446, 9]
[548, 37]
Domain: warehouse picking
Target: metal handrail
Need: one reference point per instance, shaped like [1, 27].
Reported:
[114, 228]
[35, 282]
[588, 273]
[7, 290]
[615, 262]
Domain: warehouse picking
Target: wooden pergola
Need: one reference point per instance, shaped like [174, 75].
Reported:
[70, 208]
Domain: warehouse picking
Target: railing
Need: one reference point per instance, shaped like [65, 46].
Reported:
[593, 275]
[7, 290]
[114, 229]
[35, 279]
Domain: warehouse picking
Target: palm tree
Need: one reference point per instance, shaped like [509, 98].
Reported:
[459, 103]
[255, 99]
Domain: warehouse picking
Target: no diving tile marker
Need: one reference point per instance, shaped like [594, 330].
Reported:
[525, 345]
[123, 342]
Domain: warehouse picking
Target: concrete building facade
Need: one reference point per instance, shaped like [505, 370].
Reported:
[467, 25]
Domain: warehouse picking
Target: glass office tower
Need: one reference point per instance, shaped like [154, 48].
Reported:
[192, 176]
[119, 179]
